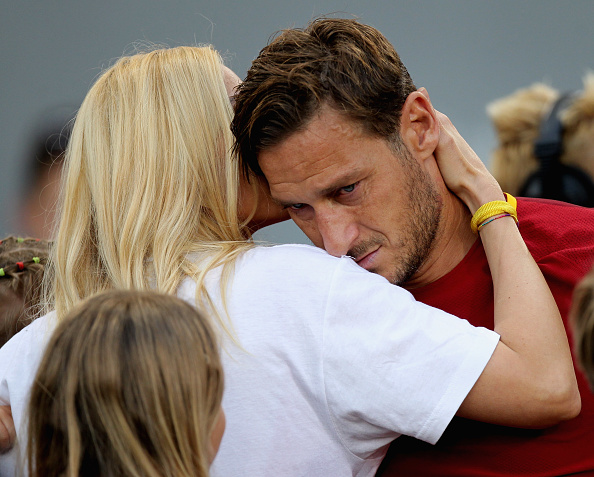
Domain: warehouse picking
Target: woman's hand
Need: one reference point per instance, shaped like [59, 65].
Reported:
[7, 429]
[462, 170]
[254, 197]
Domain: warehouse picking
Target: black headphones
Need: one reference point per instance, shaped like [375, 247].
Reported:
[554, 180]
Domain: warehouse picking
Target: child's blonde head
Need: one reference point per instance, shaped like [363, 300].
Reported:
[130, 384]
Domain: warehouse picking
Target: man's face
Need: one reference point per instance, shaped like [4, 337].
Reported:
[353, 194]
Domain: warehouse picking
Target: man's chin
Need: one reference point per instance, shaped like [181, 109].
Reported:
[402, 277]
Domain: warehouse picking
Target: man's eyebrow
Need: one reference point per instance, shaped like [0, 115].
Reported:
[282, 203]
[343, 181]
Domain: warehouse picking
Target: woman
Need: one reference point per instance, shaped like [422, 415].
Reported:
[325, 363]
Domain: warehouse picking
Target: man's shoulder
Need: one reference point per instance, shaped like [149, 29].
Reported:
[547, 207]
[560, 237]
[553, 214]
[549, 225]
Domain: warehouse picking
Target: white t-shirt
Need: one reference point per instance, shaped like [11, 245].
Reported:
[335, 363]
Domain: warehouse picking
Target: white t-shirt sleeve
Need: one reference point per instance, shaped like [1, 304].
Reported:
[393, 365]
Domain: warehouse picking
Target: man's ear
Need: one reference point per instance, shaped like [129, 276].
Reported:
[419, 127]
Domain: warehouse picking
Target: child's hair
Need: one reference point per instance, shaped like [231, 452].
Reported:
[22, 265]
[582, 320]
[130, 384]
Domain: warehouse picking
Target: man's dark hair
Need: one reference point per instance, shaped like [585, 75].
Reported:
[340, 62]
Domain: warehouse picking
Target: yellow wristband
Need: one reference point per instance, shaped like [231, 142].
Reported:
[490, 209]
[511, 200]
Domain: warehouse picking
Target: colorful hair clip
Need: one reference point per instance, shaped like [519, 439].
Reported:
[20, 266]
[20, 240]
[2, 272]
[36, 259]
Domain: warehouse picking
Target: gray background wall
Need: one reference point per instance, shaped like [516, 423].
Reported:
[466, 53]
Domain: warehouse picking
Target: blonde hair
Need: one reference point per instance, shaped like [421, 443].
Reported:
[516, 119]
[149, 178]
[582, 321]
[130, 383]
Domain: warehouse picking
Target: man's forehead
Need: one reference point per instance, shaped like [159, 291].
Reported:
[323, 136]
[330, 152]
[329, 120]
[300, 156]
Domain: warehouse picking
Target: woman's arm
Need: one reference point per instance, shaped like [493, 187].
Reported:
[530, 379]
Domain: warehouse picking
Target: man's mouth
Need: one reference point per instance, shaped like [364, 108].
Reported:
[368, 259]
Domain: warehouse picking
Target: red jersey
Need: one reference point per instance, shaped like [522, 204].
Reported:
[561, 239]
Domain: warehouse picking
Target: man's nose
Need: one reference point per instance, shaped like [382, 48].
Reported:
[337, 229]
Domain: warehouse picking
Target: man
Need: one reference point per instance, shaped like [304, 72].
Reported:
[330, 116]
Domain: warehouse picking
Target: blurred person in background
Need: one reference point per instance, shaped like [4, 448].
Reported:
[39, 195]
[546, 143]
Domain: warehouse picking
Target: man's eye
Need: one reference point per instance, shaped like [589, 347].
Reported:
[349, 188]
[296, 206]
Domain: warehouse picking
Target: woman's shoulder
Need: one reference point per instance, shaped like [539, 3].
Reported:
[291, 253]
[286, 267]
[289, 261]
[289, 270]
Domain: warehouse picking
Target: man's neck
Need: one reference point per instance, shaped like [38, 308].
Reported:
[452, 242]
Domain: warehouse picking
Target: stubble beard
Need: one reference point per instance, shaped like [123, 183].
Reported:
[424, 215]
[418, 236]
[420, 233]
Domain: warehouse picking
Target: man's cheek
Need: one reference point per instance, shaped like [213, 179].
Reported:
[309, 229]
